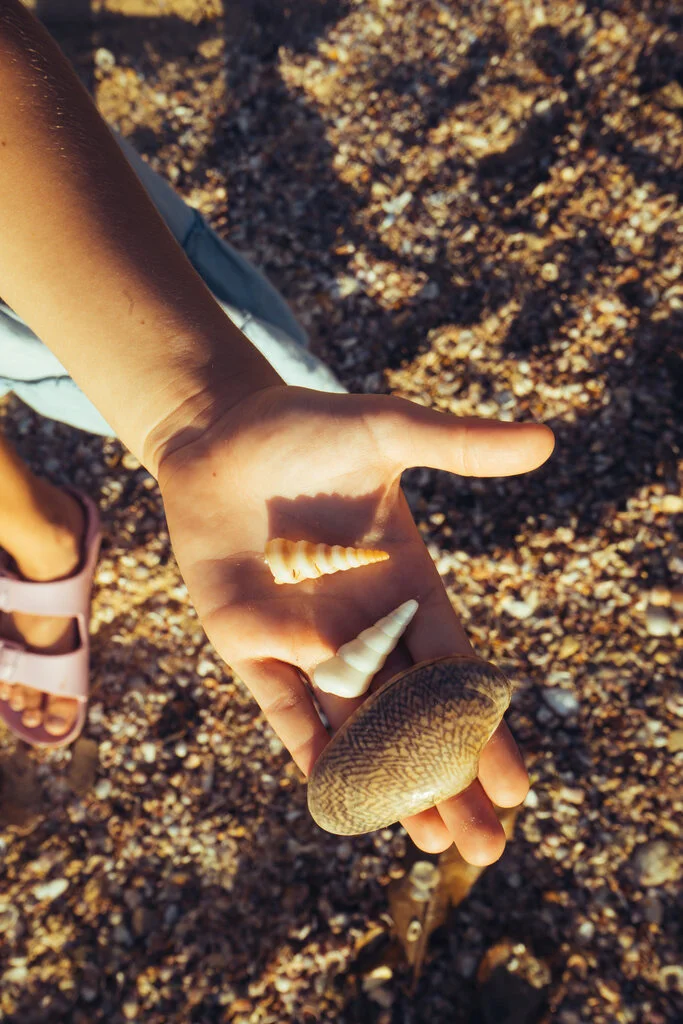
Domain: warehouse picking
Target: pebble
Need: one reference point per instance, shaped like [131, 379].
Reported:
[180, 749]
[671, 977]
[104, 59]
[206, 668]
[652, 909]
[675, 741]
[562, 702]
[550, 272]
[572, 795]
[50, 890]
[672, 504]
[569, 646]
[656, 863]
[586, 930]
[658, 621]
[660, 596]
[16, 975]
[102, 789]
[518, 609]
[149, 752]
[9, 917]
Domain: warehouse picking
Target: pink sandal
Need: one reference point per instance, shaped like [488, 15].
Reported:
[60, 675]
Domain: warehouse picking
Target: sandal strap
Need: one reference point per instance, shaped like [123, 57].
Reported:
[60, 675]
[67, 598]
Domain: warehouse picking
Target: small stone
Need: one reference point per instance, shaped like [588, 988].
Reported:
[675, 741]
[518, 609]
[660, 597]
[121, 935]
[430, 291]
[16, 975]
[572, 795]
[384, 997]
[609, 990]
[671, 978]
[672, 504]
[658, 621]
[180, 749]
[9, 917]
[148, 752]
[103, 789]
[569, 646]
[531, 800]
[586, 930]
[50, 890]
[206, 668]
[550, 272]
[129, 461]
[652, 909]
[544, 716]
[83, 765]
[130, 1009]
[241, 1006]
[655, 863]
[104, 59]
[466, 964]
[283, 985]
[193, 761]
[562, 702]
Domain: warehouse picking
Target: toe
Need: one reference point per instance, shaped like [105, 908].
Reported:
[17, 698]
[33, 703]
[32, 718]
[5, 691]
[60, 715]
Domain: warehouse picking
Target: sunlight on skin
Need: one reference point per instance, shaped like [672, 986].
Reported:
[270, 634]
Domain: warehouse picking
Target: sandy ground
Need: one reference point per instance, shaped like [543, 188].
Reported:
[475, 206]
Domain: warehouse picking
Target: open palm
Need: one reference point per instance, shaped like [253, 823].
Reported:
[288, 462]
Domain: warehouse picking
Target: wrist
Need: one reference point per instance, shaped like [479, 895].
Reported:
[198, 400]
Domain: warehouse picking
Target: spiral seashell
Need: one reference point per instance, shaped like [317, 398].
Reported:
[291, 561]
[414, 742]
[351, 671]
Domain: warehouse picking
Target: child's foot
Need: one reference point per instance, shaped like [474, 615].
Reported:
[56, 554]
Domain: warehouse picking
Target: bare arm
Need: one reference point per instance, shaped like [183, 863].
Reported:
[90, 265]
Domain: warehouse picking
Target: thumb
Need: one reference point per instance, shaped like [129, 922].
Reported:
[412, 435]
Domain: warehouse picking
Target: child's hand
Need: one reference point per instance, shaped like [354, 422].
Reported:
[326, 468]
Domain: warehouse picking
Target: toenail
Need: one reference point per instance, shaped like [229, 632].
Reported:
[56, 725]
[32, 719]
[17, 701]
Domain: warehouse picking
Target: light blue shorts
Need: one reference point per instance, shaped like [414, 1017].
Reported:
[31, 371]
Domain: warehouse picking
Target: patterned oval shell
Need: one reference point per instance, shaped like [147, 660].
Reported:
[413, 743]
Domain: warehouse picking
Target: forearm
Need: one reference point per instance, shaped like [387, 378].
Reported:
[88, 262]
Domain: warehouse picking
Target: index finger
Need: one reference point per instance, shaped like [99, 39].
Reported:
[281, 693]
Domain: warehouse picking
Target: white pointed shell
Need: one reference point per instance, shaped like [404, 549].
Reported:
[352, 669]
[291, 561]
